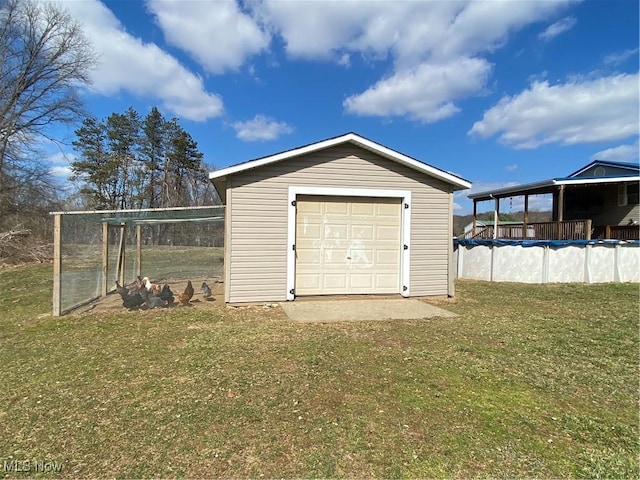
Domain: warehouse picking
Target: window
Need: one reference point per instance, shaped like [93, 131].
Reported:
[628, 194]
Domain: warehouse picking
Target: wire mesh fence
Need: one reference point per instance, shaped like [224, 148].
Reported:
[93, 250]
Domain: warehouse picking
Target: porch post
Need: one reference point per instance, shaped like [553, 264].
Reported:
[475, 214]
[525, 220]
[496, 211]
[560, 211]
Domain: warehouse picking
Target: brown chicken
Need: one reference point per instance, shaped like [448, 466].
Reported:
[185, 296]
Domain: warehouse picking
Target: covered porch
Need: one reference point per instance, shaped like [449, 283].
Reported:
[569, 222]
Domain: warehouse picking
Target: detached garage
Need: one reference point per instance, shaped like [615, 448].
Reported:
[341, 216]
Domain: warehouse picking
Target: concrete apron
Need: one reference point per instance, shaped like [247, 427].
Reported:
[360, 310]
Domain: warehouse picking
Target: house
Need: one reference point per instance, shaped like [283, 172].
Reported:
[506, 229]
[600, 200]
[344, 215]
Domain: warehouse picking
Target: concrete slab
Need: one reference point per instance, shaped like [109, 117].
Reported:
[359, 310]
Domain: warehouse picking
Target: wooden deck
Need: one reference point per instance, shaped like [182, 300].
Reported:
[567, 230]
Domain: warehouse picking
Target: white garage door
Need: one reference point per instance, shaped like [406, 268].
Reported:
[347, 245]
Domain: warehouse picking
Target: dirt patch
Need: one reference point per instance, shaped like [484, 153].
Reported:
[113, 302]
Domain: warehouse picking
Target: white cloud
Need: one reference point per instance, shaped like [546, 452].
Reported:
[558, 28]
[344, 60]
[407, 30]
[615, 59]
[143, 69]
[217, 35]
[602, 109]
[425, 93]
[60, 164]
[511, 168]
[261, 128]
[439, 37]
[621, 153]
[60, 172]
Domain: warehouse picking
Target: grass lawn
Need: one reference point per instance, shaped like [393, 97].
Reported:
[529, 381]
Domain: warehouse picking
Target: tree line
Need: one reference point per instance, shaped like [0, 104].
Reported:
[126, 161]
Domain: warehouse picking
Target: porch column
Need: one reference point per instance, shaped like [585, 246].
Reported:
[475, 214]
[496, 211]
[525, 218]
[560, 211]
[561, 203]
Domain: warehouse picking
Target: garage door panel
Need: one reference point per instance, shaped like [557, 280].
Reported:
[386, 281]
[334, 256]
[389, 209]
[335, 230]
[361, 257]
[336, 208]
[361, 281]
[309, 208]
[388, 233]
[362, 232]
[334, 283]
[387, 257]
[308, 281]
[310, 230]
[308, 256]
[366, 209]
[356, 243]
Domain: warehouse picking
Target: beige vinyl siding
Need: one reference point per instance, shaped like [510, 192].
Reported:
[258, 223]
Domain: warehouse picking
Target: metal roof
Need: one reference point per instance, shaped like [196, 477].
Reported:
[607, 163]
[548, 186]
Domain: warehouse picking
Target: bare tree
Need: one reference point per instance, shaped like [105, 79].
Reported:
[44, 57]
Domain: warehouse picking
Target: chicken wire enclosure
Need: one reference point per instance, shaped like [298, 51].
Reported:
[93, 249]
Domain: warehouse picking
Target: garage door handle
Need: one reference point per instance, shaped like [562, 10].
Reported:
[348, 258]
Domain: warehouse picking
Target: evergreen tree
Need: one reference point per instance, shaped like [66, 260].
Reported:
[95, 166]
[127, 162]
[123, 136]
[152, 155]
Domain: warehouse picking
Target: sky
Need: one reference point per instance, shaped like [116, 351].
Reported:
[497, 92]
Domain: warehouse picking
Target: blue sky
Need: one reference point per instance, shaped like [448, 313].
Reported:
[498, 92]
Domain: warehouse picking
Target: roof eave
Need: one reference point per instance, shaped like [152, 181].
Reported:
[506, 191]
[523, 189]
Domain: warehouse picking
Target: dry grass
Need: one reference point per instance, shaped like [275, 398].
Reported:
[529, 381]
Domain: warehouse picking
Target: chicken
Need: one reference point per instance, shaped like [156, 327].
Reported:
[185, 297]
[165, 294]
[205, 290]
[152, 301]
[154, 288]
[130, 300]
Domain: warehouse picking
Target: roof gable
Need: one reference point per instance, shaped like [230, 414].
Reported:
[603, 168]
[457, 182]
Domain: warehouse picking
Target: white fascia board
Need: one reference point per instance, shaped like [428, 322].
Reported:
[489, 194]
[277, 157]
[357, 140]
[587, 181]
[405, 254]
